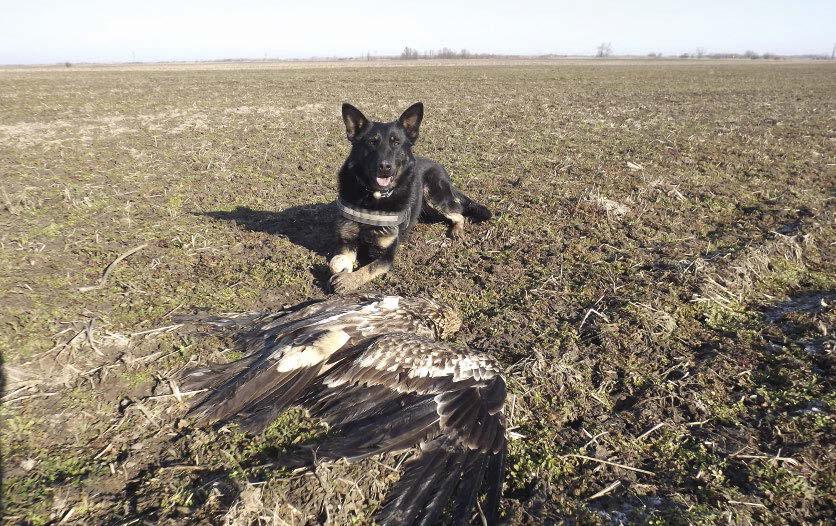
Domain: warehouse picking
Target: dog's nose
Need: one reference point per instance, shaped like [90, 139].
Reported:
[385, 166]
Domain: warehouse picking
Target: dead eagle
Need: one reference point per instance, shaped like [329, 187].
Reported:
[371, 367]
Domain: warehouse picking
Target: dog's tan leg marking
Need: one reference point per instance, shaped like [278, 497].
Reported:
[456, 226]
[385, 241]
[347, 233]
[348, 281]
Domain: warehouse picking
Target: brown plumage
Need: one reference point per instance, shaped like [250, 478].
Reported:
[372, 367]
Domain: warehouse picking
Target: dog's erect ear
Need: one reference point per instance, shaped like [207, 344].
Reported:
[411, 120]
[355, 121]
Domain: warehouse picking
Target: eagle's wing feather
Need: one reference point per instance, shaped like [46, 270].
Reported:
[272, 379]
[466, 387]
[368, 366]
[473, 473]
[495, 476]
[430, 478]
[423, 490]
[450, 479]
[403, 390]
[256, 333]
[288, 350]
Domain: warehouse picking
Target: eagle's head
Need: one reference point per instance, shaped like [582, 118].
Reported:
[442, 320]
[448, 322]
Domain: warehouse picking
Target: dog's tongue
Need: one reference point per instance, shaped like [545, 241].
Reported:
[384, 181]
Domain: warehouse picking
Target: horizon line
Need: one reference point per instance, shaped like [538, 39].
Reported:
[747, 55]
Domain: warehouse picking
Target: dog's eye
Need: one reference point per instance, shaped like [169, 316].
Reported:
[395, 141]
[374, 140]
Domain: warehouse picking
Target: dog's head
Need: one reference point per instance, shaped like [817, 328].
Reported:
[381, 152]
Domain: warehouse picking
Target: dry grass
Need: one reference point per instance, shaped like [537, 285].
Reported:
[658, 280]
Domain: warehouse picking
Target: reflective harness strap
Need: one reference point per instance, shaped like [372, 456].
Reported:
[372, 217]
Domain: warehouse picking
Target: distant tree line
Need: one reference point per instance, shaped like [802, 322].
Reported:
[701, 53]
[409, 53]
[603, 50]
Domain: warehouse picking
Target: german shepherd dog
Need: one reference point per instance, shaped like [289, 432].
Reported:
[383, 190]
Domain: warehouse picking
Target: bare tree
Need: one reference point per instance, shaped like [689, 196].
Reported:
[700, 52]
[604, 50]
[409, 54]
[446, 52]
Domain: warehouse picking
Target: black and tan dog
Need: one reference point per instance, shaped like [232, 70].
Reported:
[383, 190]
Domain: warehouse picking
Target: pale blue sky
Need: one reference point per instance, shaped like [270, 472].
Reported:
[41, 31]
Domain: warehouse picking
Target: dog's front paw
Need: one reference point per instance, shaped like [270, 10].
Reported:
[344, 282]
[341, 263]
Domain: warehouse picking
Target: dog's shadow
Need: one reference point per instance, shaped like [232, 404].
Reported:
[310, 226]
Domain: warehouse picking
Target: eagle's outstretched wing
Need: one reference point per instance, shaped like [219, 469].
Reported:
[371, 368]
[404, 390]
[287, 350]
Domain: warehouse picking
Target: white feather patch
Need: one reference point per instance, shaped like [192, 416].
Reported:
[313, 353]
[390, 302]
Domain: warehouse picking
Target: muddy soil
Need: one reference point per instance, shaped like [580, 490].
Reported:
[658, 279]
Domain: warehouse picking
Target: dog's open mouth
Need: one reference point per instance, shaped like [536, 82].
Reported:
[384, 181]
